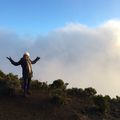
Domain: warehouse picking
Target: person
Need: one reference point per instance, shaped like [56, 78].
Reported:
[26, 64]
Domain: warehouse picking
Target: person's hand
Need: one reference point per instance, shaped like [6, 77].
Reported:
[9, 58]
[37, 58]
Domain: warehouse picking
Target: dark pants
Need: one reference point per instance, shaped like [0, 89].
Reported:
[26, 85]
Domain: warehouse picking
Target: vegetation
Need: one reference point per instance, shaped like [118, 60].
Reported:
[102, 103]
[54, 101]
[9, 84]
[90, 91]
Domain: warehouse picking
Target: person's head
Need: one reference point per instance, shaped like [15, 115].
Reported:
[26, 55]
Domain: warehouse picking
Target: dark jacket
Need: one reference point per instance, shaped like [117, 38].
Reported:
[26, 65]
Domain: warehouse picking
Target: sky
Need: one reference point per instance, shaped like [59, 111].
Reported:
[78, 41]
[41, 16]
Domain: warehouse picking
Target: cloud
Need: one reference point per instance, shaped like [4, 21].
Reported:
[79, 55]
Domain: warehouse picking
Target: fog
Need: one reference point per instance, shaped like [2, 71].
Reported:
[80, 55]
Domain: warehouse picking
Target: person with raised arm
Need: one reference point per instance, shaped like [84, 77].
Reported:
[26, 64]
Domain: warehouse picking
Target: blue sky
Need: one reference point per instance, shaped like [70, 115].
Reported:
[41, 16]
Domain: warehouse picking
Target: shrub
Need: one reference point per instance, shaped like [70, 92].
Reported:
[90, 91]
[35, 84]
[2, 75]
[3, 87]
[75, 91]
[102, 103]
[9, 84]
[59, 92]
[44, 86]
[118, 98]
[57, 100]
[107, 97]
[58, 96]
[8, 87]
[57, 84]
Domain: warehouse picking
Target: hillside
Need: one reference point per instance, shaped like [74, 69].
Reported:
[54, 102]
[38, 106]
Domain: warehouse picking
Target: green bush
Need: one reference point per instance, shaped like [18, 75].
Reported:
[57, 84]
[35, 84]
[2, 75]
[8, 87]
[3, 87]
[101, 103]
[44, 86]
[90, 91]
[75, 91]
[57, 100]
[58, 96]
[9, 84]
[118, 98]
[59, 92]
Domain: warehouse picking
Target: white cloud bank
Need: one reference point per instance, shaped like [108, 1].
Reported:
[79, 55]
